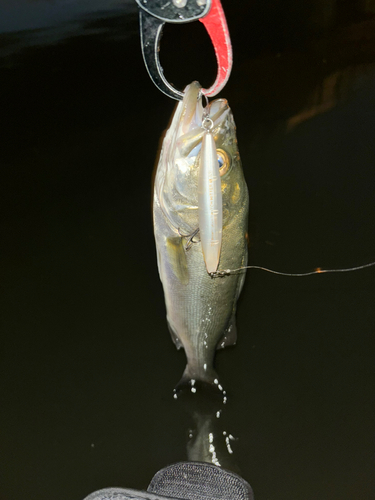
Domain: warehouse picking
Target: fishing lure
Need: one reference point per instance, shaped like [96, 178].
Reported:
[210, 200]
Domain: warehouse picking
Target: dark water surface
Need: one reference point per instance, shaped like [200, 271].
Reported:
[87, 364]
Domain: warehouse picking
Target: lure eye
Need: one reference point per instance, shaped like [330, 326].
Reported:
[223, 160]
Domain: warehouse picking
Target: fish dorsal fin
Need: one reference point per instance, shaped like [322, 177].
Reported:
[177, 258]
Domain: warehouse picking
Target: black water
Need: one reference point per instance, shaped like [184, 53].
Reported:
[87, 364]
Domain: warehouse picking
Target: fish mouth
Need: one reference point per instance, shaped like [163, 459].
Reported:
[189, 132]
[186, 131]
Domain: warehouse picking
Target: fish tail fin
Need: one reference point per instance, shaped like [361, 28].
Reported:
[198, 381]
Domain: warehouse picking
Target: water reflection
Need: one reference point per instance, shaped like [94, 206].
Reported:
[210, 437]
[17, 15]
[337, 88]
[210, 471]
[118, 25]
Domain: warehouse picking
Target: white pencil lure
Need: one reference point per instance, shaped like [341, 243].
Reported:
[210, 203]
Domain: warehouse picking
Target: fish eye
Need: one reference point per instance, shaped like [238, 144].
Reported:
[224, 161]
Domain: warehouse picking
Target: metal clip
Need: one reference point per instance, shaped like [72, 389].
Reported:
[153, 14]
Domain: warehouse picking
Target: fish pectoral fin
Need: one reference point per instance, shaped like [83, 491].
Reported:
[177, 342]
[230, 334]
[177, 258]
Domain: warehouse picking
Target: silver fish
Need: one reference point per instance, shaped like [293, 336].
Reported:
[200, 309]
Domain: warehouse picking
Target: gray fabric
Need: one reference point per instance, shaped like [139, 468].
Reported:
[185, 481]
[199, 481]
[124, 494]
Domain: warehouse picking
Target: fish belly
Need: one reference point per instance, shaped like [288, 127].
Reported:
[200, 310]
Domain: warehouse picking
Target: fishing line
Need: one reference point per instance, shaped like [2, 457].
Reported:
[229, 272]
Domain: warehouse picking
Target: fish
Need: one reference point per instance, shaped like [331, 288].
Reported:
[200, 308]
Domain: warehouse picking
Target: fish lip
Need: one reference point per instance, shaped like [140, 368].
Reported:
[191, 105]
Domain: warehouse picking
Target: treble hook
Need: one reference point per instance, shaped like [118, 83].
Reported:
[153, 14]
[189, 238]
